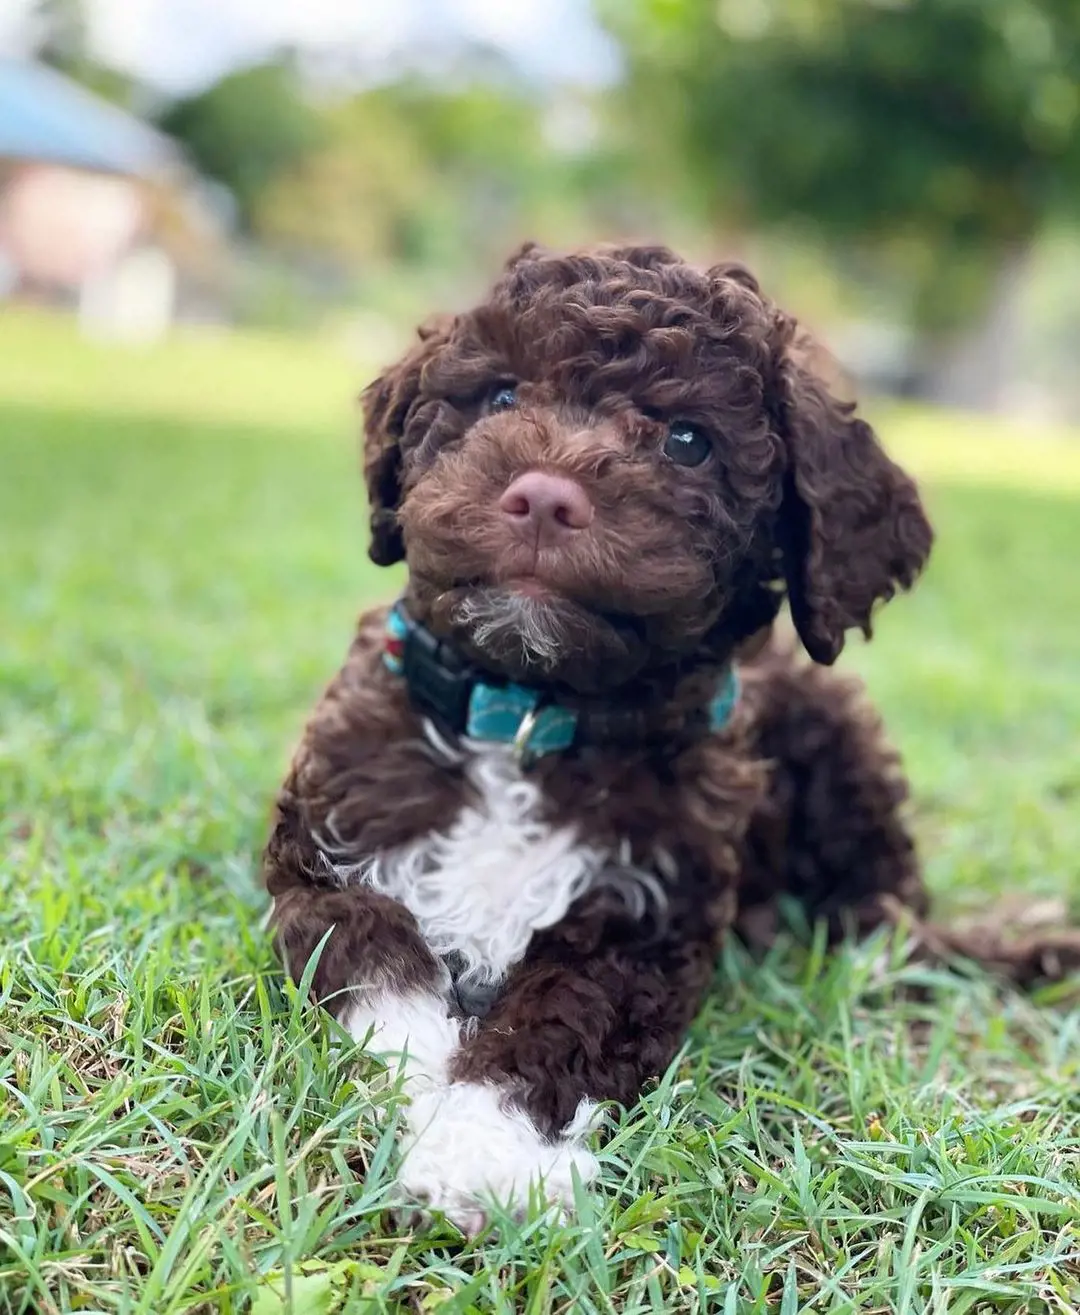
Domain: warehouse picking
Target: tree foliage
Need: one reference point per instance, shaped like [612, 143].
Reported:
[952, 126]
[404, 172]
[431, 174]
[247, 129]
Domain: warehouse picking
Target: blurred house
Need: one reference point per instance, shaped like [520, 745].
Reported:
[99, 211]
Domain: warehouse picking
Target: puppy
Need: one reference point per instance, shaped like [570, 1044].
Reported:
[548, 781]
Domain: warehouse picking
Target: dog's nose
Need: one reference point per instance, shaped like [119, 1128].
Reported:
[549, 507]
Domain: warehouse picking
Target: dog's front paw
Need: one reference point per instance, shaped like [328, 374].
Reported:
[464, 1150]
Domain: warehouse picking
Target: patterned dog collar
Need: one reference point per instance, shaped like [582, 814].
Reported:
[468, 702]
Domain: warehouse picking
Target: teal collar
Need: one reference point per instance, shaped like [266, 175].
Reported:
[465, 701]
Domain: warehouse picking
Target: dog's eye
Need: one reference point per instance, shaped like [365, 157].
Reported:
[685, 445]
[504, 398]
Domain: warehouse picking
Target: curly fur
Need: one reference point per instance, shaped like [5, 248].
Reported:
[680, 571]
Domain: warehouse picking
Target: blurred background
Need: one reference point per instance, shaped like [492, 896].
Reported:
[905, 173]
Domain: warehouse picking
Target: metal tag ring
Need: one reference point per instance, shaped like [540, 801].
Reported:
[520, 743]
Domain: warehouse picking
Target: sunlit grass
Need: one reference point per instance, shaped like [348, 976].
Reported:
[181, 543]
[279, 382]
[199, 374]
[953, 447]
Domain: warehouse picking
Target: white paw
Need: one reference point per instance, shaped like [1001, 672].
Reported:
[463, 1151]
[412, 1034]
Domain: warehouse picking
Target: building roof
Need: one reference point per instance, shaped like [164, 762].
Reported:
[46, 116]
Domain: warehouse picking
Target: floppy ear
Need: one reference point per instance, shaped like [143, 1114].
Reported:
[853, 528]
[386, 404]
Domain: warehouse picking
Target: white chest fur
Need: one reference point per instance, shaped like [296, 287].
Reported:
[481, 889]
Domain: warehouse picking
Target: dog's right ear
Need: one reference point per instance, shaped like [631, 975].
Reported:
[855, 528]
[386, 404]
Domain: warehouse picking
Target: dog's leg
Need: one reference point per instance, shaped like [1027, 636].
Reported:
[832, 830]
[586, 1018]
[1025, 958]
[374, 974]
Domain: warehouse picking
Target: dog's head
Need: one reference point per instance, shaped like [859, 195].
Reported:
[619, 464]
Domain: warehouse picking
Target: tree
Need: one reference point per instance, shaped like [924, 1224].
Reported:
[939, 134]
[421, 173]
[360, 196]
[247, 130]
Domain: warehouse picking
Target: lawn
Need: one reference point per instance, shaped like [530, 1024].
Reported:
[181, 541]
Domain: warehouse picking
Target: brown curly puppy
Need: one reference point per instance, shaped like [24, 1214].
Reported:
[533, 800]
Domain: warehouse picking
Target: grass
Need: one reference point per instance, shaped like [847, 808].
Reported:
[182, 557]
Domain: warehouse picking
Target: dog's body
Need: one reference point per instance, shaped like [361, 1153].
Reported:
[604, 481]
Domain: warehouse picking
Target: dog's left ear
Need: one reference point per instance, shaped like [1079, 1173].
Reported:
[386, 403]
[853, 529]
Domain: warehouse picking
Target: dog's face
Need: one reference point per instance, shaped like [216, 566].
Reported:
[618, 464]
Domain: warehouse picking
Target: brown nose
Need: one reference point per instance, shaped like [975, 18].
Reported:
[547, 507]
